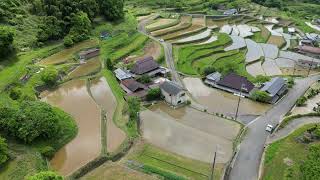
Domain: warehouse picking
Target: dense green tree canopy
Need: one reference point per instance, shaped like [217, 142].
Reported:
[112, 9]
[29, 121]
[49, 76]
[261, 96]
[6, 40]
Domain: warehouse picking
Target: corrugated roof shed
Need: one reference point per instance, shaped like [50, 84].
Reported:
[214, 76]
[145, 65]
[171, 87]
[274, 86]
[122, 74]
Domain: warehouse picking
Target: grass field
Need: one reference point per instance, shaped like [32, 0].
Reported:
[262, 36]
[281, 152]
[155, 157]
[68, 53]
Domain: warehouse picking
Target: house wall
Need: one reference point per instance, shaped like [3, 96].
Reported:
[175, 100]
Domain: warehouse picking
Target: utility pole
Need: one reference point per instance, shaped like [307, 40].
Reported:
[239, 102]
[294, 69]
[310, 65]
[213, 164]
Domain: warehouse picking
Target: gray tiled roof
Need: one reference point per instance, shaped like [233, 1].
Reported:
[171, 87]
[274, 86]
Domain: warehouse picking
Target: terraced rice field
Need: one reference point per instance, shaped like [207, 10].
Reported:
[255, 69]
[254, 52]
[277, 40]
[237, 43]
[185, 22]
[217, 22]
[245, 30]
[161, 22]
[226, 29]
[294, 56]
[270, 67]
[67, 54]
[285, 63]
[235, 31]
[198, 37]
[91, 66]
[270, 51]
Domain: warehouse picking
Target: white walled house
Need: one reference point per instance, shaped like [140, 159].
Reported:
[173, 93]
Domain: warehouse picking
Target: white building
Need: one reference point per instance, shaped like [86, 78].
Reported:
[173, 93]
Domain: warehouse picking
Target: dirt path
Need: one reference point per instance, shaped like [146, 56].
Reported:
[292, 126]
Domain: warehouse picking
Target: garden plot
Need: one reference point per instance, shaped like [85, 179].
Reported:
[270, 51]
[244, 30]
[198, 37]
[226, 29]
[255, 69]
[237, 43]
[235, 31]
[270, 67]
[254, 52]
[285, 63]
[210, 40]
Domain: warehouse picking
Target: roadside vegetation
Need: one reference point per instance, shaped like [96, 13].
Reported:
[294, 157]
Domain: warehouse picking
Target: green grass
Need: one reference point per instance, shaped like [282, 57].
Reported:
[188, 54]
[274, 166]
[176, 164]
[262, 36]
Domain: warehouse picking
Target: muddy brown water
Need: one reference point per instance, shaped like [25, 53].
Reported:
[102, 94]
[74, 99]
[219, 101]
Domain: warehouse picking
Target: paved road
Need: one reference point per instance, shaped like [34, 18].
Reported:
[292, 126]
[247, 164]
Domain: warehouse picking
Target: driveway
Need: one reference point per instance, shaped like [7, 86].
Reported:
[247, 163]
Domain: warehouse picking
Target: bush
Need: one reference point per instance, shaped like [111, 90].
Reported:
[165, 174]
[133, 108]
[301, 101]
[109, 64]
[290, 82]
[15, 93]
[154, 94]
[45, 175]
[4, 152]
[208, 70]
[260, 96]
[49, 76]
[47, 151]
[6, 41]
[67, 41]
[262, 79]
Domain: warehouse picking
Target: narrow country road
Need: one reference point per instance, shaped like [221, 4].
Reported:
[292, 126]
[247, 163]
[166, 46]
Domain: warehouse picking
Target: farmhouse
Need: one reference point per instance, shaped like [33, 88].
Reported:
[276, 88]
[213, 78]
[90, 53]
[308, 64]
[309, 49]
[312, 37]
[173, 93]
[122, 74]
[235, 84]
[144, 66]
[132, 86]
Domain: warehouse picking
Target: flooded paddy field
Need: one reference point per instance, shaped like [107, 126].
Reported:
[255, 69]
[254, 52]
[89, 67]
[67, 54]
[74, 99]
[270, 67]
[103, 96]
[220, 101]
[237, 43]
[189, 132]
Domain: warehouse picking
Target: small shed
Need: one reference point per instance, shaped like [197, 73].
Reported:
[173, 93]
[90, 53]
[213, 78]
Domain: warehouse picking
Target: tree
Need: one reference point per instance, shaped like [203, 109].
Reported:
[154, 94]
[144, 79]
[45, 175]
[109, 64]
[4, 152]
[49, 76]
[50, 28]
[67, 41]
[208, 70]
[6, 40]
[90, 7]
[301, 101]
[81, 26]
[112, 9]
[134, 108]
[260, 96]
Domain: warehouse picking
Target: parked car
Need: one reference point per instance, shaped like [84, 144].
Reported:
[161, 40]
[269, 128]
